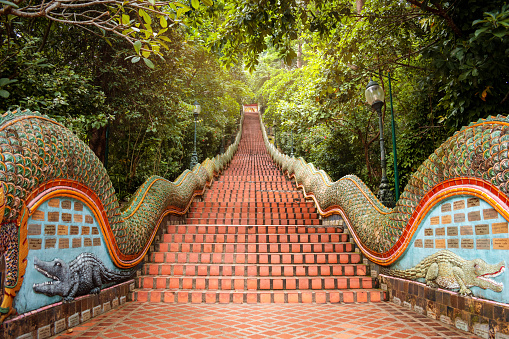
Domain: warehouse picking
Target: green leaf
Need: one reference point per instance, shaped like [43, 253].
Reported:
[207, 2]
[153, 2]
[195, 3]
[135, 59]
[163, 22]
[137, 46]
[4, 93]
[481, 30]
[6, 81]
[12, 4]
[148, 63]
[125, 19]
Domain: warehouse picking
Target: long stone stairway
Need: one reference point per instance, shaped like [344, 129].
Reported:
[254, 239]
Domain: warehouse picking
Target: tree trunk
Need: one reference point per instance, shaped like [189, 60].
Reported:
[97, 142]
[360, 4]
[299, 55]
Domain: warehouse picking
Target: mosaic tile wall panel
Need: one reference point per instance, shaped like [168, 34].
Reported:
[471, 229]
[39, 160]
[61, 228]
[473, 161]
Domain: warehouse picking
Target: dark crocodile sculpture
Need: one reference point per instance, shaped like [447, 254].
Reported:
[84, 275]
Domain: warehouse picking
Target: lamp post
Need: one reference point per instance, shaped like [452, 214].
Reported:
[375, 97]
[291, 154]
[221, 150]
[275, 136]
[194, 157]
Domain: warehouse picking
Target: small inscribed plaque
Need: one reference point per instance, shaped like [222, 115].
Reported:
[428, 243]
[44, 332]
[49, 229]
[474, 216]
[434, 220]
[440, 243]
[445, 208]
[78, 206]
[459, 217]
[54, 203]
[62, 230]
[66, 204]
[482, 244]
[87, 242]
[428, 232]
[50, 243]
[499, 227]
[34, 229]
[453, 243]
[35, 244]
[74, 320]
[76, 242]
[452, 231]
[59, 325]
[501, 243]
[440, 231]
[473, 202]
[489, 213]
[97, 241]
[78, 218]
[38, 215]
[418, 243]
[482, 229]
[66, 217]
[85, 230]
[53, 216]
[446, 219]
[63, 243]
[459, 205]
[466, 230]
[467, 244]
[75, 230]
[89, 219]
[95, 231]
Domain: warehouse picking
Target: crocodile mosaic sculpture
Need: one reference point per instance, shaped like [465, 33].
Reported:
[447, 270]
[40, 157]
[474, 161]
[84, 275]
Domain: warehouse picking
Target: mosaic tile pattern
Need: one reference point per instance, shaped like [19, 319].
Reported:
[478, 151]
[352, 321]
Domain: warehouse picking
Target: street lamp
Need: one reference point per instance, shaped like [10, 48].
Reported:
[375, 96]
[221, 150]
[194, 157]
[275, 136]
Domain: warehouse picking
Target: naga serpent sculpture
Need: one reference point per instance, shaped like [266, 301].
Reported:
[474, 161]
[41, 159]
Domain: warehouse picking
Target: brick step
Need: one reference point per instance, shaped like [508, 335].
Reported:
[252, 221]
[252, 199]
[259, 297]
[293, 270]
[260, 248]
[245, 211]
[259, 204]
[259, 186]
[253, 258]
[253, 283]
[250, 215]
[254, 238]
[273, 177]
[251, 229]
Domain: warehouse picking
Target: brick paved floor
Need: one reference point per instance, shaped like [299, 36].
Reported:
[345, 321]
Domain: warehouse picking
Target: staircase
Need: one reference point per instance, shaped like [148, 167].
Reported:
[254, 239]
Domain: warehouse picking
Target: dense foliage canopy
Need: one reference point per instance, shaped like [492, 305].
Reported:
[124, 76]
